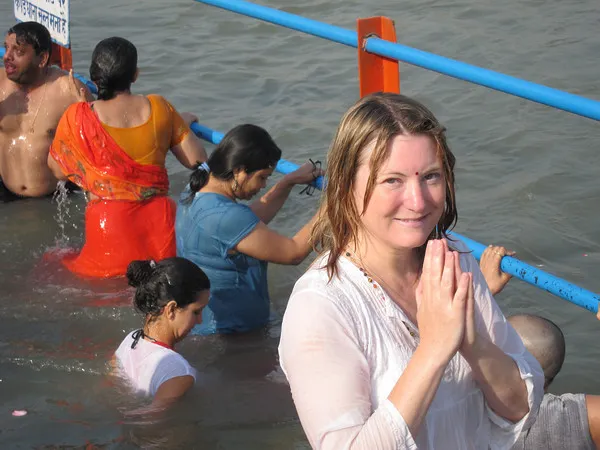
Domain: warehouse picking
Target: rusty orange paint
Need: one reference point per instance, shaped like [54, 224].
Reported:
[62, 57]
[376, 73]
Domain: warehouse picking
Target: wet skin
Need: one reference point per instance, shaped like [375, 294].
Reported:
[33, 98]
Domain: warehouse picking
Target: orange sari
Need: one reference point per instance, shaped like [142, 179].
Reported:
[133, 218]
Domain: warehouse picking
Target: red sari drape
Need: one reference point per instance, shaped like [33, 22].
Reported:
[132, 217]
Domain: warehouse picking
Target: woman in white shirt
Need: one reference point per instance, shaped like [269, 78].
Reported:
[391, 339]
[171, 294]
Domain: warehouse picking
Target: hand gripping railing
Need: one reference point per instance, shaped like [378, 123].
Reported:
[457, 69]
[494, 80]
[513, 266]
[215, 137]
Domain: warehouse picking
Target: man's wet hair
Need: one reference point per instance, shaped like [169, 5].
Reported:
[544, 340]
[34, 34]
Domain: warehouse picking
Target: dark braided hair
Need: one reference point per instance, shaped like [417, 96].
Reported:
[113, 67]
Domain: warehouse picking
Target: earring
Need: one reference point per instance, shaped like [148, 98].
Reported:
[235, 185]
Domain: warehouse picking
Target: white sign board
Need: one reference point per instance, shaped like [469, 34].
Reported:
[53, 14]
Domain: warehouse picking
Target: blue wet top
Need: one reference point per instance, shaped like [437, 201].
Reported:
[207, 230]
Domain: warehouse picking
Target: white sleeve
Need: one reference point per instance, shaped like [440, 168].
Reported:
[492, 323]
[171, 365]
[330, 379]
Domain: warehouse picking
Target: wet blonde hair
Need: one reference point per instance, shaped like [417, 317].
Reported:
[376, 118]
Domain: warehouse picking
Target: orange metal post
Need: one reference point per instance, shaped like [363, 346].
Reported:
[62, 57]
[376, 73]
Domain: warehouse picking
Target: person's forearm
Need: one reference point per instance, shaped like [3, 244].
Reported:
[269, 204]
[56, 169]
[498, 377]
[302, 241]
[197, 152]
[415, 389]
[592, 403]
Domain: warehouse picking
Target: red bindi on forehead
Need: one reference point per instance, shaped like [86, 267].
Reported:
[416, 173]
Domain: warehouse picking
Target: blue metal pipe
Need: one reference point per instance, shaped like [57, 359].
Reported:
[484, 77]
[488, 78]
[557, 286]
[532, 275]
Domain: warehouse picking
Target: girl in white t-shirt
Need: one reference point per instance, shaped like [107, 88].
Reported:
[171, 294]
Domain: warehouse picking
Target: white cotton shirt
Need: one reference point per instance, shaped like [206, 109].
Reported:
[149, 365]
[344, 345]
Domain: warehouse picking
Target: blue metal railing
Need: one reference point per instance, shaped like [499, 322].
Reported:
[511, 85]
[536, 277]
[513, 266]
[552, 97]
[457, 69]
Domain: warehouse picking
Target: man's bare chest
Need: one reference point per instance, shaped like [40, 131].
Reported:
[27, 116]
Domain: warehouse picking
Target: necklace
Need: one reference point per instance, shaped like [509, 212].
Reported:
[414, 333]
[38, 108]
[139, 334]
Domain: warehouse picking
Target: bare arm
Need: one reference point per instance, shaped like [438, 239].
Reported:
[79, 91]
[55, 169]
[87, 95]
[172, 390]
[190, 151]
[269, 204]
[267, 245]
[167, 394]
[593, 412]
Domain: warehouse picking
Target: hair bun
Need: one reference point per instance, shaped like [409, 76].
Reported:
[140, 272]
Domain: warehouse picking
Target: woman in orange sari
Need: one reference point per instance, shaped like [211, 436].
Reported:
[115, 149]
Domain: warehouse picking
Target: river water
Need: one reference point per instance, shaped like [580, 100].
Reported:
[527, 179]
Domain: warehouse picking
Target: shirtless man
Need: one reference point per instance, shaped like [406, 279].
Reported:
[33, 97]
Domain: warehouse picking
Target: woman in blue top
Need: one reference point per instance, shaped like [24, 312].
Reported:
[230, 241]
